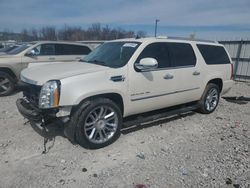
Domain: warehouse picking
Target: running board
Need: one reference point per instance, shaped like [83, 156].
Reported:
[157, 115]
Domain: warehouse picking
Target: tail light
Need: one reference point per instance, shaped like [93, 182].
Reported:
[232, 71]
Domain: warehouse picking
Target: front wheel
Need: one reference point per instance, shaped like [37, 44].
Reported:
[7, 84]
[209, 99]
[98, 124]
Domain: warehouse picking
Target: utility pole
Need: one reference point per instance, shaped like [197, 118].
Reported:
[156, 21]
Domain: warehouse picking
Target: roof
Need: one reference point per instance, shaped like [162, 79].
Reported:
[164, 38]
[58, 42]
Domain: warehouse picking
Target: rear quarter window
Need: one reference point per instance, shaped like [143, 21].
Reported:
[213, 54]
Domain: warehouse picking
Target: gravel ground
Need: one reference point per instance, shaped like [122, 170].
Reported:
[191, 150]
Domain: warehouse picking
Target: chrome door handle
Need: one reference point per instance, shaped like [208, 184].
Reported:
[196, 73]
[51, 58]
[168, 77]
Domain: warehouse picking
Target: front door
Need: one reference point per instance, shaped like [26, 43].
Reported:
[153, 89]
[43, 53]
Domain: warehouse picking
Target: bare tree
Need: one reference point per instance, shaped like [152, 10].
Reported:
[141, 34]
[94, 32]
[24, 35]
[48, 33]
[34, 34]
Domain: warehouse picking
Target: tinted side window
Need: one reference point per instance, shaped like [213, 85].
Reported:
[68, 49]
[82, 50]
[159, 51]
[60, 49]
[181, 54]
[213, 54]
[47, 49]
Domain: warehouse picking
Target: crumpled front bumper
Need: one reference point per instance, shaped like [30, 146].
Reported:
[29, 111]
[44, 117]
[33, 113]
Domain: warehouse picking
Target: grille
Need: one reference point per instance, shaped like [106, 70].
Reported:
[31, 93]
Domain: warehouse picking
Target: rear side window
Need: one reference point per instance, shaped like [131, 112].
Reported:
[213, 54]
[47, 49]
[69, 49]
[181, 54]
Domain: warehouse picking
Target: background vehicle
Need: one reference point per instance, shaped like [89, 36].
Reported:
[123, 78]
[17, 59]
[6, 49]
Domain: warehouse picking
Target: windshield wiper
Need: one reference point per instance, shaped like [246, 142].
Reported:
[97, 62]
[82, 60]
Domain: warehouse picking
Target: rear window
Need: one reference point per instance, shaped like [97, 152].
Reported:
[69, 49]
[213, 54]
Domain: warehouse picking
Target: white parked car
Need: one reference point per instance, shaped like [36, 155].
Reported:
[36, 53]
[122, 78]
[5, 50]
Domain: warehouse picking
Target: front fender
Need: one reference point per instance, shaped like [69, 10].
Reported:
[75, 89]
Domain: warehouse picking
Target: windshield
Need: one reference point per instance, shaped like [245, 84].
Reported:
[112, 54]
[19, 49]
[7, 48]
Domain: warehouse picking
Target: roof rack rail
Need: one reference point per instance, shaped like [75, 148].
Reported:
[189, 39]
[161, 37]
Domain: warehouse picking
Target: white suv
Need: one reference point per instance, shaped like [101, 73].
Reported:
[122, 78]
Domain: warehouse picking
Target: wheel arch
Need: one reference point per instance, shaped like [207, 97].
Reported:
[115, 97]
[9, 71]
[218, 82]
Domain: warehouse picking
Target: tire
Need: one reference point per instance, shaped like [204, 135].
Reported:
[208, 103]
[96, 127]
[7, 84]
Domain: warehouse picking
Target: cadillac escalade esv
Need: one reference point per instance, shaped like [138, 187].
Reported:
[125, 77]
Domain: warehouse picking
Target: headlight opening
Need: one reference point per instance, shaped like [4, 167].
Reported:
[50, 94]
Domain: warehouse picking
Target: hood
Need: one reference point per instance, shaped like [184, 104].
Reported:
[38, 75]
[4, 55]
[33, 64]
[6, 59]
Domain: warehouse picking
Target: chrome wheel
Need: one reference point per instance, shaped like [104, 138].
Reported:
[212, 99]
[5, 84]
[101, 124]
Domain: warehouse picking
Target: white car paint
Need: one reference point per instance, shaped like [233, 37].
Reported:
[82, 80]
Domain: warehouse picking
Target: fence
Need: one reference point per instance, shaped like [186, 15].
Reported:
[240, 54]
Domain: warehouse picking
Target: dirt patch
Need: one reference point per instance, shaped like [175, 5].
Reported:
[186, 151]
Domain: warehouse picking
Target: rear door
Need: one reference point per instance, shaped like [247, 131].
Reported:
[71, 52]
[187, 72]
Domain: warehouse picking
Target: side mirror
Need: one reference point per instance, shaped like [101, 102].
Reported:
[31, 53]
[147, 64]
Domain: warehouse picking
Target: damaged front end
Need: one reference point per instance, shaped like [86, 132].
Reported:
[30, 108]
[28, 105]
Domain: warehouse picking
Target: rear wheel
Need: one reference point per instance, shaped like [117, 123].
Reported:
[210, 99]
[99, 124]
[7, 84]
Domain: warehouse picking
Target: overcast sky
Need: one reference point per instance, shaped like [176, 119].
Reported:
[209, 19]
